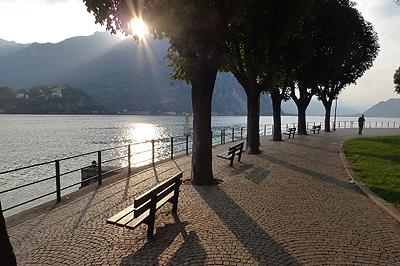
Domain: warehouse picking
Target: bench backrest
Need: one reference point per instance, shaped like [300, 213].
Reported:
[235, 148]
[143, 202]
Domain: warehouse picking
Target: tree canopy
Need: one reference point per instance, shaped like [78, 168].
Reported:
[396, 80]
[346, 46]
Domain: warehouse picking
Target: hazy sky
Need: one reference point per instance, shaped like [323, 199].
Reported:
[27, 21]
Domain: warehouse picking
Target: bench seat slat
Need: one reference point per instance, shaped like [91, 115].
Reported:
[114, 219]
[137, 221]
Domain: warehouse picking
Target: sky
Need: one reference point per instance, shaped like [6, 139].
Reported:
[28, 21]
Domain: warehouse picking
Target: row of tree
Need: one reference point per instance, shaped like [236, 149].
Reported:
[287, 48]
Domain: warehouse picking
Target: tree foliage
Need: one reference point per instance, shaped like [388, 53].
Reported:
[260, 47]
[346, 46]
[396, 80]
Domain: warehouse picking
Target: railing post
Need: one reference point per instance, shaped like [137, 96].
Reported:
[241, 133]
[99, 167]
[222, 132]
[152, 151]
[224, 136]
[129, 159]
[58, 181]
[172, 148]
[233, 134]
[187, 144]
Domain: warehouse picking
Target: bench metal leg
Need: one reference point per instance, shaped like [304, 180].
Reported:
[176, 196]
[152, 216]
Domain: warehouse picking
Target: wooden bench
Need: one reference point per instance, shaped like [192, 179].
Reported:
[145, 206]
[230, 154]
[316, 128]
[290, 132]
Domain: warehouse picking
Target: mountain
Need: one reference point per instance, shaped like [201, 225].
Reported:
[7, 47]
[389, 108]
[120, 73]
[316, 108]
[49, 100]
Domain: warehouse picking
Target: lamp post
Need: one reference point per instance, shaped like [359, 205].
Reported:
[334, 121]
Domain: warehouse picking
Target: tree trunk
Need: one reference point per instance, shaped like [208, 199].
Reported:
[328, 106]
[7, 256]
[301, 119]
[202, 91]
[276, 108]
[253, 123]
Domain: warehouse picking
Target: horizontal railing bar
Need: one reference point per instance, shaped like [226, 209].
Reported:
[72, 185]
[71, 171]
[25, 167]
[25, 185]
[76, 156]
[26, 202]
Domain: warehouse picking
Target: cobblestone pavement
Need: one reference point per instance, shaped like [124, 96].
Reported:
[293, 204]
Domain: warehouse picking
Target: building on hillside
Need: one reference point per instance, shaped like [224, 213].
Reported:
[21, 96]
[57, 92]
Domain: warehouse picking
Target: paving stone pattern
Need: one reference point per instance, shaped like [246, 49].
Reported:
[291, 205]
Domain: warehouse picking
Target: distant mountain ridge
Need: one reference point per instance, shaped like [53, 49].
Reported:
[119, 73]
[134, 78]
[7, 47]
[389, 108]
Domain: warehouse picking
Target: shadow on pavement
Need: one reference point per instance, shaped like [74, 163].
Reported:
[261, 246]
[189, 252]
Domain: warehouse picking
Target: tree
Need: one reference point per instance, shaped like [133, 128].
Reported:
[396, 80]
[197, 31]
[6, 251]
[287, 52]
[245, 60]
[302, 100]
[302, 88]
[348, 45]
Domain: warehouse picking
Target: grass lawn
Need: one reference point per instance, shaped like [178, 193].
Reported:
[376, 162]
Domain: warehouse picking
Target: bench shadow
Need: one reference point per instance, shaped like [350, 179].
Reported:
[261, 246]
[257, 175]
[149, 253]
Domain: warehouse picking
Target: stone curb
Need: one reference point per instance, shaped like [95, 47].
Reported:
[392, 211]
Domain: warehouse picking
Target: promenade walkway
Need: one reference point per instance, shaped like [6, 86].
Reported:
[294, 204]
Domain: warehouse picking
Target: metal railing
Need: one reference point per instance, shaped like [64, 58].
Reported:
[57, 174]
[59, 171]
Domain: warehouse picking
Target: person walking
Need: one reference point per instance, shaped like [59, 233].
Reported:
[361, 121]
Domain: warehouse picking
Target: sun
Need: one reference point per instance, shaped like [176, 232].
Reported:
[139, 28]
